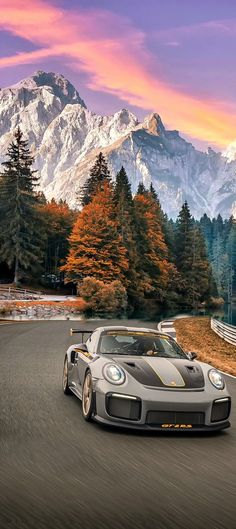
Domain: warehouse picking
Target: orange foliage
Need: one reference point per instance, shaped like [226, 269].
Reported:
[96, 248]
[104, 297]
[155, 269]
[59, 216]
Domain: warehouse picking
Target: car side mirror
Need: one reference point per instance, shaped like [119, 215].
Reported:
[82, 347]
[192, 355]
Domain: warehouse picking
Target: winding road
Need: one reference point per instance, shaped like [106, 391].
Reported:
[59, 472]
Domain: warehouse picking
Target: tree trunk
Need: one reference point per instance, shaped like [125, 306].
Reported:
[16, 278]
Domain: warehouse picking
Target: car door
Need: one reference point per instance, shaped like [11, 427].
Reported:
[83, 359]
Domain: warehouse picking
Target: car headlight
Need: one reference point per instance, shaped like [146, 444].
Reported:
[114, 374]
[216, 379]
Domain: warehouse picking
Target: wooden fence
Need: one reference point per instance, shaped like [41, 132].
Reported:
[18, 293]
[224, 330]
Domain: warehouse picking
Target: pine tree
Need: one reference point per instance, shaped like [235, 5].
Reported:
[154, 194]
[123, 187]
[220, 262]
[98, 174]
[21, 234]
[231, 253]
[218, 224]
[191, 259]
[167, 225]
[58, 220]
[154, 268]
[124, 210]
[168, 228]
[141, 189]
[96, 247]
[184, 237]
[201, 271]
[207, 230]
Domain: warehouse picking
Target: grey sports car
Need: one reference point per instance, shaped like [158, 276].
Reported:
[140, 378]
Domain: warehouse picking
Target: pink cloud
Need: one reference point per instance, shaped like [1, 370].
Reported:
[113, 54]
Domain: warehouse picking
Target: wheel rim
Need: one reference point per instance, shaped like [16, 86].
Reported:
[65, 375]
[87, 394]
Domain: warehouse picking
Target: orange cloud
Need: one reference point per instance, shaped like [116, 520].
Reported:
[114, 56]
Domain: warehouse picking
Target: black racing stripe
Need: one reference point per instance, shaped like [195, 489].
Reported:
[141, 371]
[191, 372]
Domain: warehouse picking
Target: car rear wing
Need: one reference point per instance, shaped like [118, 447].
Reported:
[81, 331]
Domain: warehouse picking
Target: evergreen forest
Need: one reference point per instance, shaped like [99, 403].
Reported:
[117, 249]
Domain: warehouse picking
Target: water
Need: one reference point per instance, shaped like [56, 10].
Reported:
[228, 314]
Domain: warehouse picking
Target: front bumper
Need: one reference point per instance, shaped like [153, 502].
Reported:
[163, 410]
[146, 427]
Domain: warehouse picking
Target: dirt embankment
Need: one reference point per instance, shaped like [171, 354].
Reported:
[195, 334]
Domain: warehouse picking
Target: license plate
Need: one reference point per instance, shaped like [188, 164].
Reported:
[176, 425]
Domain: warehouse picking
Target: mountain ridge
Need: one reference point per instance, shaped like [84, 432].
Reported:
[65, 137]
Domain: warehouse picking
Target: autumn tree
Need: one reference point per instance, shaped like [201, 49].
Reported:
[154, 268]
[96, 247]
[98, 174]
[21, 232]
[103, 298]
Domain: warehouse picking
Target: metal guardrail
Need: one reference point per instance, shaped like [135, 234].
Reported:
[224, 330]
[18, 293]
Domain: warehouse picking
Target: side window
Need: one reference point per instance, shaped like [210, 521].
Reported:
[92, 342]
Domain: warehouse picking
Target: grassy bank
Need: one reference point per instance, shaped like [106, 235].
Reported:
[195, 334]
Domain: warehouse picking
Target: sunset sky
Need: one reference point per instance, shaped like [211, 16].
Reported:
[174, 57]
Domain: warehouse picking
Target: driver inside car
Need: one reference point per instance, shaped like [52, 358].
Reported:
[149, 348]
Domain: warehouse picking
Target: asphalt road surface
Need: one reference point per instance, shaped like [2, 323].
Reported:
[57, 471]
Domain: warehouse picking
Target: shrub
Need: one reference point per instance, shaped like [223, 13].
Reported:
[103, 298]
[6, 308]
[215, 303]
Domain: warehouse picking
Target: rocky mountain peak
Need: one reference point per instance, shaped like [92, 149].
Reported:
[230, 152]
[124, 121]
[60, 86]
[154, 125]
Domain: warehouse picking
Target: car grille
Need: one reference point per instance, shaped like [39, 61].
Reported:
[220, 410]
[155, 418]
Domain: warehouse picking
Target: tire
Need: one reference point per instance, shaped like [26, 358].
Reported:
[88, 398]
[65, 385]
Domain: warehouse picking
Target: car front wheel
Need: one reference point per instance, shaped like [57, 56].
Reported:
[65, 385]
[88, 397]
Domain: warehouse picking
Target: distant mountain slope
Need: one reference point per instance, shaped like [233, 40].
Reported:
[65, 138]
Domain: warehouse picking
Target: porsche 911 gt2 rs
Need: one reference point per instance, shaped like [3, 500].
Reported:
[141, 378]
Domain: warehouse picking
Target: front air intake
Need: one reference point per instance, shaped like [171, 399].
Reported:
[220, 409]
[155, 418]
[123, 407]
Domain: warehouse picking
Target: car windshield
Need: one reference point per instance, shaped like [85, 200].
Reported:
[139, 344]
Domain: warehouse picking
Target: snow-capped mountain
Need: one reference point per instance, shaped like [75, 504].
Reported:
[65, 138]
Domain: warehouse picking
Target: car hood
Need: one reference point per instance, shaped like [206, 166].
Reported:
[162, 372]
